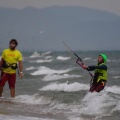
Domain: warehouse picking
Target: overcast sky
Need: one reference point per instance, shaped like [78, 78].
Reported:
[112, 6]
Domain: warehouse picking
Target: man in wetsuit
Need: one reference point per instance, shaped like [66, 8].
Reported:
[100, 76]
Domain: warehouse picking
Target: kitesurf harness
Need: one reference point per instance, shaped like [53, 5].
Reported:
[101, 74]
[10, 65]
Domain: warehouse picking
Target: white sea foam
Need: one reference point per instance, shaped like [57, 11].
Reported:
[113, 89]
[117, 108]
[58, 77]
[114, 61]
[48, 57]
[93, 103]
[30, 68]
[62, 58]
[9, 117]
[41, 61]
[42, 70]
[35, 54]
[76, 118]
[96, 104]
[87, 58]
[108, 60]
[32, 99]
[65, 87]
[116, 77]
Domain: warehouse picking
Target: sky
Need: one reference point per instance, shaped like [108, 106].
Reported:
[112, 6]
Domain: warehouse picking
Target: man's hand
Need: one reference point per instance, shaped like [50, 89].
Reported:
[21, 75]
[84, 66]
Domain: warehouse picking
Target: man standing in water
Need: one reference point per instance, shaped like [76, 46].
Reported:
[10, 58]
[100, 76]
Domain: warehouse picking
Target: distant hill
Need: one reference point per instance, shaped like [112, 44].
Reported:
[45, 29]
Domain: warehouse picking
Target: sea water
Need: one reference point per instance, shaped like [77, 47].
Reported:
[55, 87]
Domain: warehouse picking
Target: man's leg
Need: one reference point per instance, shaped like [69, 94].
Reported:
[100, 87]
[1, 91]
[12, 92]
[11, 82]
[92, 88]
[2, 82]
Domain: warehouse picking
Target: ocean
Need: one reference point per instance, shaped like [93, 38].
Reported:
[55, 87]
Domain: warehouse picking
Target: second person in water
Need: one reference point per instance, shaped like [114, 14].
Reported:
[100, 76]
